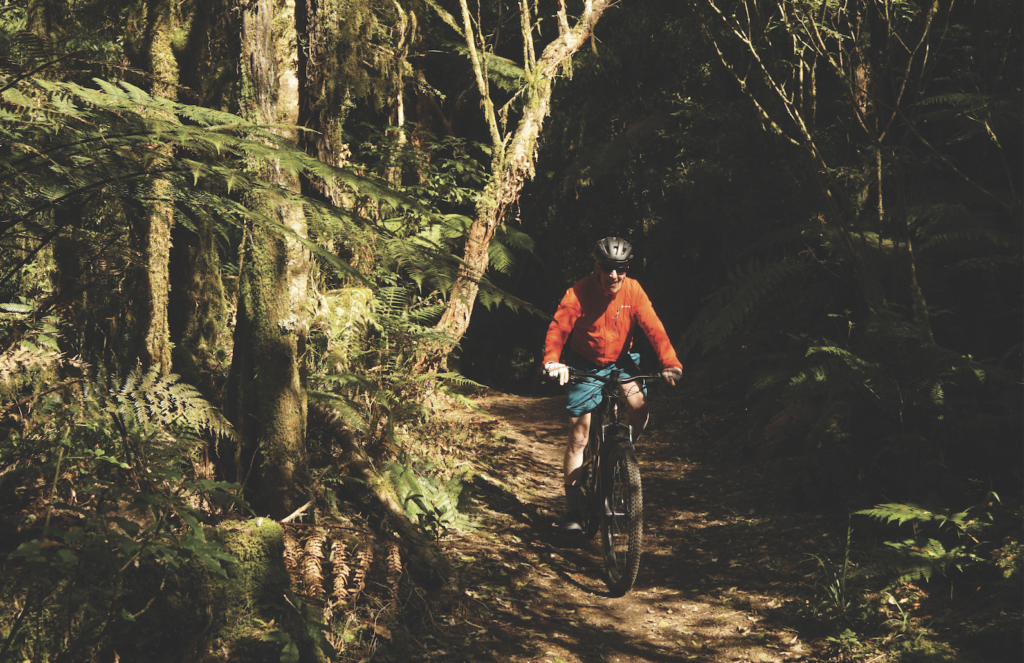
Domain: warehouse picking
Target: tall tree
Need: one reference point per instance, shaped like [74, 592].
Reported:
[197, 308]
[871, 67]
[155, 231]
[267, 383]
[513, 151]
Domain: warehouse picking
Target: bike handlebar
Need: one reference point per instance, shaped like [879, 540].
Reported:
[575, 376]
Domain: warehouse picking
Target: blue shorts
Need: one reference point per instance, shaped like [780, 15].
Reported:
[582, 398]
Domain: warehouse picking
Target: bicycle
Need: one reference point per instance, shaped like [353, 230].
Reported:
[612, 493]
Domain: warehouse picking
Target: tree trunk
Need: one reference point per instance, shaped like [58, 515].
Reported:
[267, 383]
[155, 235]
[197, 309]
[513, 163]
[44, 18]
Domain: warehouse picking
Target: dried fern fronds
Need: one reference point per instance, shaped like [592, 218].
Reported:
[394, 567]
[292, 552]
[364, 558]
[342, 571]
[312, 563]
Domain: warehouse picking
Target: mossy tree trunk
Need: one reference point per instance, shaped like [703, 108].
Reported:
[197, 307]
[514, 153]
[267, 383]
[154, 285]
[44, 17]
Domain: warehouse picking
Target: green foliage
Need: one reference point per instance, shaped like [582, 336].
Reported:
[32, 356]
[920, 557]
[162, 401]
[831, 585]
[749, 288]
[429, 500]
[93, 142]
[118, 468]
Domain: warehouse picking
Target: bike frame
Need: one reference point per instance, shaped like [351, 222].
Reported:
[607, 425]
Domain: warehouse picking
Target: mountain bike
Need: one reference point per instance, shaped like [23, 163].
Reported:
[612, 494]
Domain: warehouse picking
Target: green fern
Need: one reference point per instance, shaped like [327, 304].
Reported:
[164, 402]
[748, 288]
[429, 500]
[923, 556]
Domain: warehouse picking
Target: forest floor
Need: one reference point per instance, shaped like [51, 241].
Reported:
[721, 575]
[730, 570]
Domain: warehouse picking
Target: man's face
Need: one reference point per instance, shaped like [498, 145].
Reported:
[611, 281]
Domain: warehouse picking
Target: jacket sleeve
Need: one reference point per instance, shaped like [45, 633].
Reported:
[656, 333]
[560, 328]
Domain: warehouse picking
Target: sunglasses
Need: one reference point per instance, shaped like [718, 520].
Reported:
[608, 269]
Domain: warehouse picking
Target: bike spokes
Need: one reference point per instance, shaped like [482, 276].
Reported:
[622, 524]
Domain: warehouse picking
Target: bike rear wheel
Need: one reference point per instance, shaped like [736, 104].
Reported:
[622, 524]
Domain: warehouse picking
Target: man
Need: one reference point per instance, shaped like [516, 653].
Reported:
[598, 317]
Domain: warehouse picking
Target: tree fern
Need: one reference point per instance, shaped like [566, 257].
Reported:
[749, 287]
[164, 402]
[68, 142]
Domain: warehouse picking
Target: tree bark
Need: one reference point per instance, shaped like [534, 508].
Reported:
[155, 232]
[512, 165]
[197, 308]
[44, 17]
[267, 383]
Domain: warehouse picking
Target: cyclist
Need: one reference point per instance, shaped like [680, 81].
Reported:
[598, 317]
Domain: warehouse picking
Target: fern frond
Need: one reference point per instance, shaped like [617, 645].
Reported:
[850, 359]
[364, 558]
[312, 562]
[749, 286]
[340, 563]
[973, 238]
[394, 567]
[900, 513]
[165, 402]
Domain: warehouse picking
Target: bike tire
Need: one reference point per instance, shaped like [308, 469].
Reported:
[622, 522]
[592, 510]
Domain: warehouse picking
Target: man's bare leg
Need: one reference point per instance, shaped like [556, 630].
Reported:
[639, 410]
[579, 429]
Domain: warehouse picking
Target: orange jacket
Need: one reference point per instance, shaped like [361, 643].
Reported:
[602, 325]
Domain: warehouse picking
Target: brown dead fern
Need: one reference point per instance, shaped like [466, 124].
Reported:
[342, 570]
[364, 558]
[292, 553]
[394, 567]
[312, 563]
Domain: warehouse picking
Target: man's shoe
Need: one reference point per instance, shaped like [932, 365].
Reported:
[572, 522]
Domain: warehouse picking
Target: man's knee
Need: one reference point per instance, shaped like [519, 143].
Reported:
[578, 433]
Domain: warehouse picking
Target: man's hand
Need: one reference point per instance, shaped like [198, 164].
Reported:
[556, 370]
[671, 375]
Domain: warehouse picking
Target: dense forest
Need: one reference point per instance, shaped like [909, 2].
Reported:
[251, 251]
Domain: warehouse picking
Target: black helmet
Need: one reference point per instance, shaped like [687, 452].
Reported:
[613, 250]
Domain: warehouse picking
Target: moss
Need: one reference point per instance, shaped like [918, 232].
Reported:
[257, 596]
[260, 578]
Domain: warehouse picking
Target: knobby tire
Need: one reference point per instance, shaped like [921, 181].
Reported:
[592, 510]
[622, 528]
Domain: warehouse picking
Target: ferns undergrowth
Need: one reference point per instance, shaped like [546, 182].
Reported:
[917, 436]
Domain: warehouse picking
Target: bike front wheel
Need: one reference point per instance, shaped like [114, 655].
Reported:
[622, 524]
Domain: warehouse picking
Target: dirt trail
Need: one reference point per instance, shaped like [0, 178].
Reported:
[717, 576]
